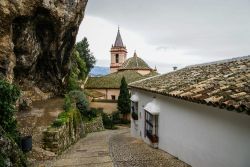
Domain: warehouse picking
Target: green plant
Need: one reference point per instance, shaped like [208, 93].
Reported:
[8, 97]
[124, 98]
[2, 160]
[80, 100]
[72, 83]
[67, 103]
[116, 117]
[61, 119]
[78, 71]
[107, 121]
[83, 49]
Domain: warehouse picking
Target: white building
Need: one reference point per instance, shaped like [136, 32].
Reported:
[199, 114]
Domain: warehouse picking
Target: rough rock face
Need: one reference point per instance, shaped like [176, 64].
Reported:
[10, 154]
[36, 40]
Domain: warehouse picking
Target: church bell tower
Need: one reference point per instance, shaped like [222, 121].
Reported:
[118, 53]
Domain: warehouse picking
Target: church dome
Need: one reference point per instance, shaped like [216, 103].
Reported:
[135, 63]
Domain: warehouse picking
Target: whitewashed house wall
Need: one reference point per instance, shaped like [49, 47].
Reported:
[200, 135]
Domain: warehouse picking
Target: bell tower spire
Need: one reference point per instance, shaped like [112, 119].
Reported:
[118, 53]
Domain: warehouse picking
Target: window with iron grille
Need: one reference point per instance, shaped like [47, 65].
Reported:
[151, 126]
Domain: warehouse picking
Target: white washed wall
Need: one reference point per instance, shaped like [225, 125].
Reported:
[200, 135]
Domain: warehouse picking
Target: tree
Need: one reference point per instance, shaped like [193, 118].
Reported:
[78, 71]
[83, 48]
[124, 99]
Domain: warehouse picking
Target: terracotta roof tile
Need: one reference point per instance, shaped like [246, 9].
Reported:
[225, 84]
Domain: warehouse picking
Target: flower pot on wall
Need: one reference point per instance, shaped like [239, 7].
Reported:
[134, 116]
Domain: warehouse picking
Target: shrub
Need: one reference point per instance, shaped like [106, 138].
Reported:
[116, 117]
[72, 82]
[107, 121]
[8, 97]
[78, 98]
[67, 103]
[64, 117]
[61, 119]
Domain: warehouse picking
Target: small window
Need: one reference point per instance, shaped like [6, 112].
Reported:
[113, 97]
[151, 127]
[117, 58]
[134, 110]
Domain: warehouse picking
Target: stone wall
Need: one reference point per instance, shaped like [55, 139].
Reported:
[94, 126]
[57, 139]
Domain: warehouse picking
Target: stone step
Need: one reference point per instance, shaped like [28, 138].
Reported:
[83, 161]
[86, 154]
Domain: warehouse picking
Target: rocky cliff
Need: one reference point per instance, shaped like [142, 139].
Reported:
[36, 40]
[10, 154]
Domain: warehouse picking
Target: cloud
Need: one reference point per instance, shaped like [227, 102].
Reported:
[171, 32]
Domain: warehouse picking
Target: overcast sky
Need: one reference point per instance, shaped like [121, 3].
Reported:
[167, 33]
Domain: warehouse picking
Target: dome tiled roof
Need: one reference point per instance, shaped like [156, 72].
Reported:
[135, 62]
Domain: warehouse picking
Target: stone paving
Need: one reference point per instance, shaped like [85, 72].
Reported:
[131, 152]
[113, 148]
[91, 151]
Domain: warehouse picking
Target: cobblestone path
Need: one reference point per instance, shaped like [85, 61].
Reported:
[91, 151]
[113, 148]
[130, 152]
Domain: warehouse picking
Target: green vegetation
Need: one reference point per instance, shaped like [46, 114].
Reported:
[124, 98]
[114, 80]
[76, 107]
[9, 95]
[83, 48]
[8, 125]
[109, 120]
[82, 61]
[64, 117]
[78, 71]
[67, 103]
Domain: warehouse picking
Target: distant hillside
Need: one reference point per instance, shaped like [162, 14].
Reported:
[99, 71]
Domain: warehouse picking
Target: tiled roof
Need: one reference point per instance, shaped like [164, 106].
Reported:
[113, 80]
[225, 84]
[93, 93]
[135, 62]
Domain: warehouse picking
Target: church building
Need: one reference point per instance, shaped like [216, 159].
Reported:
[133, 69]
